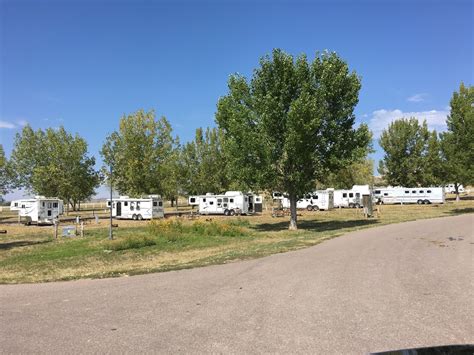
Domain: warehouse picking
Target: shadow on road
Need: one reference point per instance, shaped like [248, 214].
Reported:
[460, 211]
[318, 226]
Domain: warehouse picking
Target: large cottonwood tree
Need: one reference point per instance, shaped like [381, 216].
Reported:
[292, 123]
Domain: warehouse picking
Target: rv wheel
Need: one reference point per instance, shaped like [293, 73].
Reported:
[309, 208]
[134, 217]
[139, 217]
[351, 205]
[427, 202]
[315, 208]
[419, 202]
[226, 212]
[357, 205]
[232, 212]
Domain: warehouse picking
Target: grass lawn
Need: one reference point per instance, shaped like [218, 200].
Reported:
[30, 254]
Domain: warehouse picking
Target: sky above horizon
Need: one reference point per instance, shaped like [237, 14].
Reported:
[84, 64]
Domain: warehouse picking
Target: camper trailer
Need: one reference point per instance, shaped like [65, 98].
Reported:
[38, 210]
[351, 198]
[451, 189]
[125, 207]
[228, 204]
[314, 201]
[402, 195]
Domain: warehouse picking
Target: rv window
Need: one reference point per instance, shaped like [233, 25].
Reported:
[203, 200]
[219, 200]
[413, 191]
[357, 194]
[428, 191]
[192, 200]
[231, 200]
[407, 192]
[258, 199]
[315, 197]
[49, 204]
[155, 203]
[43, 204]
[211, 202]
[125, 203]
[160, 203]
[108, 203]
[226, 199]
[344, 194]
[138, 206]
[351, 194]
[421, 191]
[55, 205]
[23, 206]
[385, 194]
[132, 206]
[16, 204]
[49, 213]
[377, 192]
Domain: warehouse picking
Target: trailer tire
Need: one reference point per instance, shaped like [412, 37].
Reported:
[419, 202]
[232, 212]
[226, 212]
[315, 208]
[427, 202]
[134, 217]
[351, 205]
[140, 217]
[309, 208]
[357, 205]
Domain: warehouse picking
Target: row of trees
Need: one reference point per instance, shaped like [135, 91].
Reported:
[416, 156]
[288, 128]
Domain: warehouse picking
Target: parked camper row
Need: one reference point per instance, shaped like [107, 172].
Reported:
[227, 204]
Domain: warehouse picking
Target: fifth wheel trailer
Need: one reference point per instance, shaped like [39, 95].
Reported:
[38, 210]
[351, 198]
[126, 207]
[419, 195]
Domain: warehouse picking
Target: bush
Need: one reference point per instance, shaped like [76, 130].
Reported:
[131, 242]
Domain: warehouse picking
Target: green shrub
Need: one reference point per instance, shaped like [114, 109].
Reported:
[131, 242]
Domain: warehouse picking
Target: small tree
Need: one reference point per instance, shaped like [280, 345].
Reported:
[457, 144]
[54, 163]
[405, 143]
[292, 123]
[5, 175]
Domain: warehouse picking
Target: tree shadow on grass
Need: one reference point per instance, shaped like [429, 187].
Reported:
[21, 243]
[457, 211]
[315, 225]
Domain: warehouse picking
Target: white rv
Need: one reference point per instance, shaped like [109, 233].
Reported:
[419, 195]
[38, 210]
[228, 204]
[125, 207]
[351, 198]
[314, 201]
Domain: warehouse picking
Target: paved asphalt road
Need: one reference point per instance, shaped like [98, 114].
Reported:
[397, 286]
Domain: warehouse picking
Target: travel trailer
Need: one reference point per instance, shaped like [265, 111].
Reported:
[228, 204]
[38, 210]
[402, 195]
[125, 207]
[314, 201]
[351, 198]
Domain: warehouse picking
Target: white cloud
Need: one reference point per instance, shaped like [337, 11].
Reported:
[418, 97]
[8, 125]
[382, 118]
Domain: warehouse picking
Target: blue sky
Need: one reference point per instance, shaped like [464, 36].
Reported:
[83, 64]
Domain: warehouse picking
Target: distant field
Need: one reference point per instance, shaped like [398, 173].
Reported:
[30, 254]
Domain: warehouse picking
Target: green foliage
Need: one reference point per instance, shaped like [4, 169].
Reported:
[54, 163]
[131, 242]
[5, 175]
[292, 123]
[411, 154]
[204, 167]
[357, 173]
[457, 144]
[143, 155]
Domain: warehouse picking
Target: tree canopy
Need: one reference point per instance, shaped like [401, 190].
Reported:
[292, 123]
[5, 178]
[142, 154]
[54, 163]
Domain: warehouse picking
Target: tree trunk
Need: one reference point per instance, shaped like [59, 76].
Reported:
[456, 188]
[177, 198]
[293, 216]
[172, 202]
